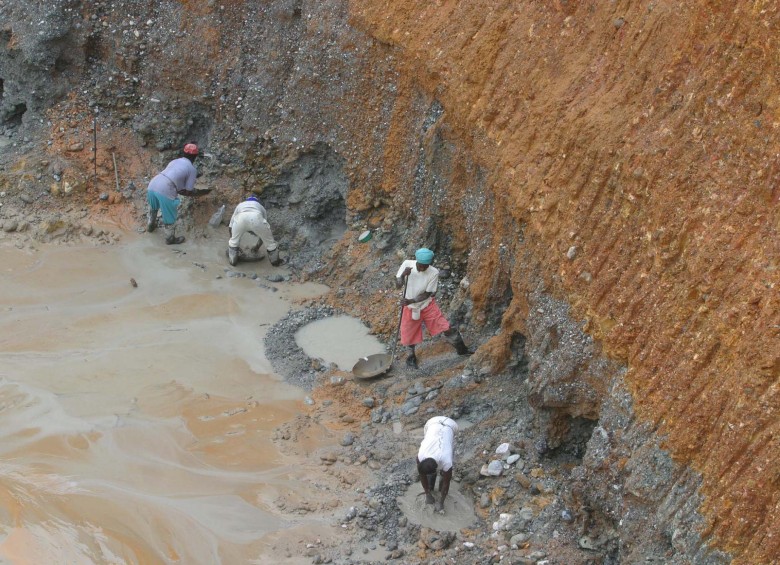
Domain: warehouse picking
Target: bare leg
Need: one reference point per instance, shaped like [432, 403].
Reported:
[456, 340]
[427, 487]
[444, 489]
[256, 247]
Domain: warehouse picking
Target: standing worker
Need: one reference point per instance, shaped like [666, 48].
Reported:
[163, 192]
[250, 217]
[420, 306]
[436, 453]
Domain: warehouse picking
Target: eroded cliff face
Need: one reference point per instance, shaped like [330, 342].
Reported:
[635, 144]
[600, 176]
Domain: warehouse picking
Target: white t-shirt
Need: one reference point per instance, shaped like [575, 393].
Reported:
[419, 281]
[439, 441]
[247, 206]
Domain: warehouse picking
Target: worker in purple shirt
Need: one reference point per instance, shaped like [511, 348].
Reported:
[163, 192]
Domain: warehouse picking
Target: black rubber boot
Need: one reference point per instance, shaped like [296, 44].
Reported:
[151, 221]
[232, 254]
[411, 360]
[170, 236]
[459, 346]
[274, 257]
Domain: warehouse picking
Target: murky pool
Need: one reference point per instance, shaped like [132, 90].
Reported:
[341, 340]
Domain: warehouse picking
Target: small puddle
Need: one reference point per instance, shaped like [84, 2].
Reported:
[458, 510]
[339, 339]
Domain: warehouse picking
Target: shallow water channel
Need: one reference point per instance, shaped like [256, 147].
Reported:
[136, 422]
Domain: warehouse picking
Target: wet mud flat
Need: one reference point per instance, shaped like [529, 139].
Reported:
[511, 498]
[138, 416]
[147, 423]
[379, 423]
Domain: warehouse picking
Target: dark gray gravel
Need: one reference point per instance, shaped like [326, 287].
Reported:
[287, 358]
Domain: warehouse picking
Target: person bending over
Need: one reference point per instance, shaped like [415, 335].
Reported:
[436, 455]
[250, 217]
[163, 192]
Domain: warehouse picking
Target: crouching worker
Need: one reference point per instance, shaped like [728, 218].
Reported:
[250, 217]
[163, 192]
[436, 454]
[420, 306]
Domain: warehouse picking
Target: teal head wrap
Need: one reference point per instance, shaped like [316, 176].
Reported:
[424, 256]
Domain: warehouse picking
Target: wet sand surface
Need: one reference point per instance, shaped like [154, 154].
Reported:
[137, 422]
[458, 510]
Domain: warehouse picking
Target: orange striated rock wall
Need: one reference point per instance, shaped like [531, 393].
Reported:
[644, 135]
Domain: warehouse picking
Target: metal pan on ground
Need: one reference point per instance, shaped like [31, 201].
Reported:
[372, 366]
[379, 363]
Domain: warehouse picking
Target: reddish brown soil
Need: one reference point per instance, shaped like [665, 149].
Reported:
[645, 135]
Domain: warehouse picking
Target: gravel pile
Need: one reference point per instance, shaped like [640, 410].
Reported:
[287, 358]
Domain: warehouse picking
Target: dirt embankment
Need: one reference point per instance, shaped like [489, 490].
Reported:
[636, 145]
[599, 181]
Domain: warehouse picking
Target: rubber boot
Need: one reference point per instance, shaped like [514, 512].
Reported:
[411, 359]
[170, 236]
[274, 257]
[457, 342]
[151, 221]
[233, 255]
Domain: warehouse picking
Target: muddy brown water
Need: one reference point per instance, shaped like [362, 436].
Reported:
[341, 340]
[136, 422]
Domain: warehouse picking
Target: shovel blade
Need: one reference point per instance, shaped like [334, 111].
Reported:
[372, 365]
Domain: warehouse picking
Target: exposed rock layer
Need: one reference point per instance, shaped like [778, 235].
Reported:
[642, 137]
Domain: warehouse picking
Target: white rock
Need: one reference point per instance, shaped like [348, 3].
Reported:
[519, 539]
[503, 522]
[505, 449]
[495, 468]
[512, 459]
